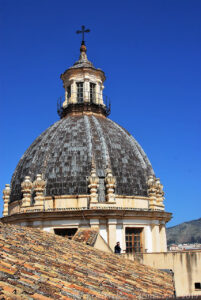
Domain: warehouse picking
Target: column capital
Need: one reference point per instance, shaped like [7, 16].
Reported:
[94, 223]
[112, 221]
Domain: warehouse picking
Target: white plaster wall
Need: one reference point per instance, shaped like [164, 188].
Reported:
[135, 223]
[48, 229]
[61, 223]
[119, 234]
[103, 232]
[148, 238]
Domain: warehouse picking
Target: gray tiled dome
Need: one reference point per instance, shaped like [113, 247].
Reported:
[63, 154]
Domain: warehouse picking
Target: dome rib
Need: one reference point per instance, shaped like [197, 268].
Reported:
[22, 168]
[105, 153]
[88, 135]
[47, 154]
[63, 154]
[135, 146]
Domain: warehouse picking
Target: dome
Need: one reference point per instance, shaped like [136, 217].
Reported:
[63, 155]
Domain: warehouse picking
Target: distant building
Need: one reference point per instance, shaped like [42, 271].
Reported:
[184, 247]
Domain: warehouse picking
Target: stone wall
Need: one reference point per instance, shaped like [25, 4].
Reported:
[186, 267]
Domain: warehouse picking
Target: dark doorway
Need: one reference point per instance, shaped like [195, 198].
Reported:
[65, 232]
[133, 240]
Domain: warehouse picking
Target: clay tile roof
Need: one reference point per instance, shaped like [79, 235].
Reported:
[39, 265]
[86, 236]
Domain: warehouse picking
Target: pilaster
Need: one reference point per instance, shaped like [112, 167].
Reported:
[148, 239]
[86, 91]
[65, 104]
[94, 223]
[73, 98]
[163, 239]
[112, 223]
[155, 238]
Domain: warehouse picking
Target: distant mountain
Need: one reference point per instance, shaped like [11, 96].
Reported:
[187, 232]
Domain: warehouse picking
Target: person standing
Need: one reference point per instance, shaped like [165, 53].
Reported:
[117, 248]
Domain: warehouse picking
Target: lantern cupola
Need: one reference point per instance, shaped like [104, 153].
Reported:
[83, 84]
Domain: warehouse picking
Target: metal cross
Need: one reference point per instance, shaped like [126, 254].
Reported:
[83, 31]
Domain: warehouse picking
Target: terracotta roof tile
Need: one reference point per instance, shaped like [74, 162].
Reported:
[86, 236]
[39, 265]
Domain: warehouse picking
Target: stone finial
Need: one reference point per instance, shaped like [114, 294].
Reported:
[110, 182]
[26, 188]
[159, 193]
[6, 198]
[83, 50]
[152, 191]
[39, 187]
[155, 192]
[93, 184]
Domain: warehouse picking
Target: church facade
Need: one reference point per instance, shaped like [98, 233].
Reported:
[86, 171]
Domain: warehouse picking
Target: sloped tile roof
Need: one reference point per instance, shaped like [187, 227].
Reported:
[86, 236]
[39, 265]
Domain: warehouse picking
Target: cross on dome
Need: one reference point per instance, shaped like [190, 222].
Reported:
[83, 31]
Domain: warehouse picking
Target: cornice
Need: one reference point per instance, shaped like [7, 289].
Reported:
[106, 213]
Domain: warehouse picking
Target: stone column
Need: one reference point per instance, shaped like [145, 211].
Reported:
[39, 187]
[6, 198]
[163, 239]
[112, 224]
[94, 223]
[155, 238]
[26, 188]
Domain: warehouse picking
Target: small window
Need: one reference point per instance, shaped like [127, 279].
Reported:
[65, 232]
[133, 240]
[92, 92]
[80, 92]
[68, 91]
[198, 285]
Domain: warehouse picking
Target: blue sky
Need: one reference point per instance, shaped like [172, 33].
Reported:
[150, 51]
